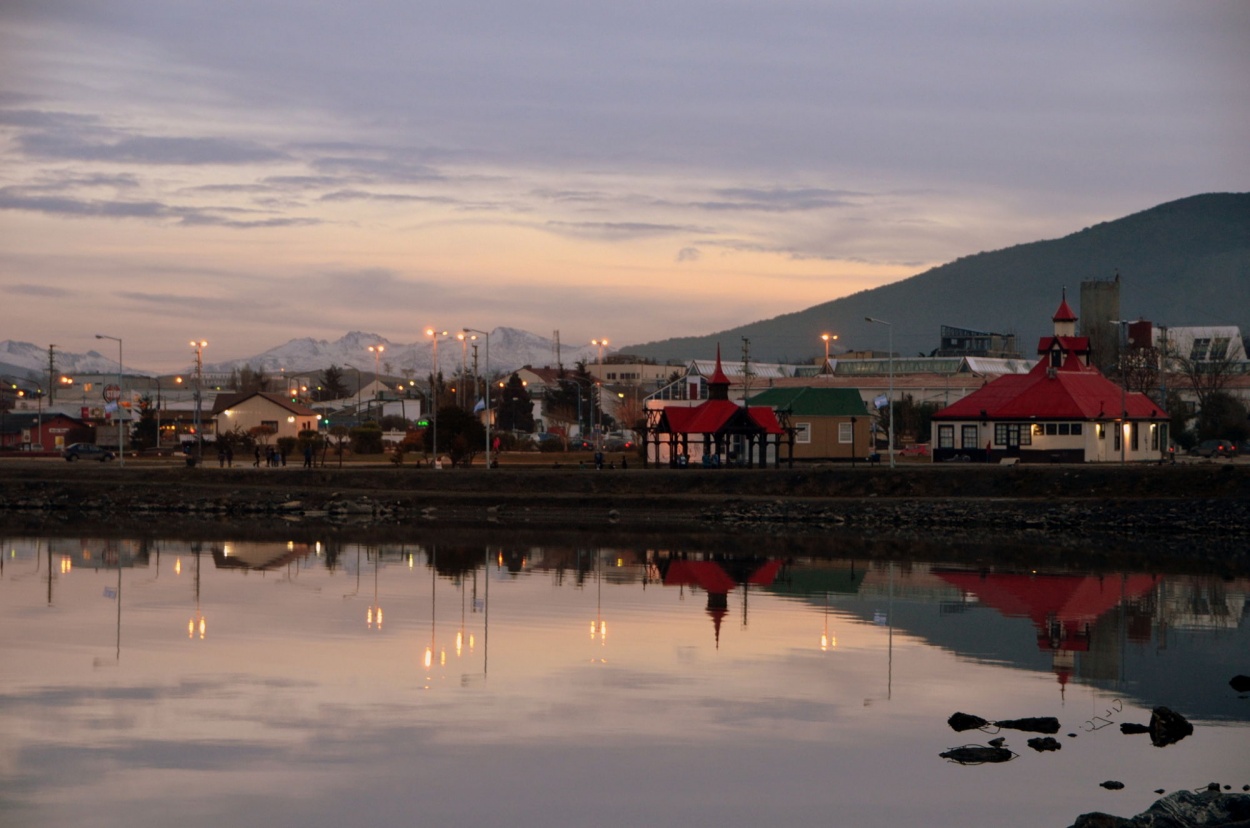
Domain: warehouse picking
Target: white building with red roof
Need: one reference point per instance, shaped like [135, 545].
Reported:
[1063, 410]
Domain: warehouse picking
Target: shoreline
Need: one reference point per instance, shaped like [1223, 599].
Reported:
[1195, 514]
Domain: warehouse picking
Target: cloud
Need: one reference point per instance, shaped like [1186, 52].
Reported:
[780, 199]
[619, 229]
[688, 254]
[64, 146]
[37, 290]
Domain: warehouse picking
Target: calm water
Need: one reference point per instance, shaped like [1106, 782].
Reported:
[275, 684]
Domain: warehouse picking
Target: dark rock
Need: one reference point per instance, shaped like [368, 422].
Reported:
[978, 755]
[999, 742]
[1112, 785]
[1043, 724]
[1168, 727]
[1129, 728]
[1042, 743]
[960, 722]
[1240, 683]
[1182, 809]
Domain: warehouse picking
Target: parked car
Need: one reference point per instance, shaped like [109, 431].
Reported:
[580, 444]
[1214, 448]
[618, 444]
[87, 451]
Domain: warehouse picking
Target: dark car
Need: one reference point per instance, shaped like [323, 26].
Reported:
[87, 451]
[1214, 448]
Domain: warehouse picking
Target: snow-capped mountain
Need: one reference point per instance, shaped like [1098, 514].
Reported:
[510, 349]
[24, 360]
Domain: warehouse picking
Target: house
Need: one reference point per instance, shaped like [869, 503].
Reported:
[1063, 410]
[49, 431]
[251, 409]
[725, 432]
[828, 423]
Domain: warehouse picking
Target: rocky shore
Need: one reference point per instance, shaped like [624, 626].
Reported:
[1195, 511]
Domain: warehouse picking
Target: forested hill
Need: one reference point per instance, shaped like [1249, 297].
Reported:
[1185, 262]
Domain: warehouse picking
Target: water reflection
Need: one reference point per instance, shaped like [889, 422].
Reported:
[650, 671]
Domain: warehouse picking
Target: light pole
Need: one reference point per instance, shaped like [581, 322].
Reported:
[199, 346]
[377, 356]
[601, 344]
[1123, 427]
[827, 337]
[463, 398]
[890, 400]
[487, 383]
[121, 446]
[434, 390]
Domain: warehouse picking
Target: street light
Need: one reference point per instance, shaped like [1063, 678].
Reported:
[199, 346]
[434, 390]
[121, 447]
[890, 400]
[1123, 393]
[487, 384]
[827, 337]
[601, 344]
[377, 355]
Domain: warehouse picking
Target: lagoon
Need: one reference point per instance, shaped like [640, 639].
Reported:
[161, 681]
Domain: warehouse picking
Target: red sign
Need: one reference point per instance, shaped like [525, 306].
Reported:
[112, 393]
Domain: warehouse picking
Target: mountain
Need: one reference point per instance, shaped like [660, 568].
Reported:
[1185, 262]
[510, 349]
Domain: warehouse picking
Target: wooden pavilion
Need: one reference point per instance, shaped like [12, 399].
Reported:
[717, 432]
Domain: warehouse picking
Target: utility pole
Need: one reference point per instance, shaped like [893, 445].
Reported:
[51, 374]
[746, 370]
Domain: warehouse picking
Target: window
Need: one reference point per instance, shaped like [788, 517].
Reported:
[1133, 436]
[1118, 428]
[946, 436]
[272, 425]
[802, 432]
[969, 437]
[846, 432]
[1012, 434]
[1065, 429]
[1102, 431]
[1076, 429]
[1199, 351]
[1052, 429]
[1154, 436]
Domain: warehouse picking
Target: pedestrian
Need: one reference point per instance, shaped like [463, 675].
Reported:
[308, 455]
[624, 464]
[256, 462]
[221, 458]
[229, 457]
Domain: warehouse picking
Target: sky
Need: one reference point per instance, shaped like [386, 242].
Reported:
[251, 172]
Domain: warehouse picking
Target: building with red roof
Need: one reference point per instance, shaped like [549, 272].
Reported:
[1063, 410]
[716, 432]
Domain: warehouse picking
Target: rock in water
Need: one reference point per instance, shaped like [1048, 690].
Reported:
[1044, 724]
[978, 755]
[1112, 785]
[1129, 728]
[965, 721]
[1041, 743]
[1168, 727]
[1240, 683]
[1184, 808]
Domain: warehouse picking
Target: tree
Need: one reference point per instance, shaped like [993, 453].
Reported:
[1223, 416]
[144, 434]
[331, 386]
[460, 434]
[516, 410]
[1206, 369]
[367, 439]
[393, 422]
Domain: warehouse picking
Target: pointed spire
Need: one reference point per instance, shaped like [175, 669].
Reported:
[718, 383]
[1064, 314]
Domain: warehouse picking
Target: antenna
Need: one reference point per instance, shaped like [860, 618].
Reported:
[555, 345]
[746, 370]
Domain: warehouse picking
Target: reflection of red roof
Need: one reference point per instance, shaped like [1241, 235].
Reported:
[1072, 600]
[712, 577]
[707, 575]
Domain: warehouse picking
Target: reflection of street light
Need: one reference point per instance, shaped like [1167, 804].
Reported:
[121, 446]
[373, 615]
[826, 337]
[827, 642]
[890, 400]
[487, 384]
